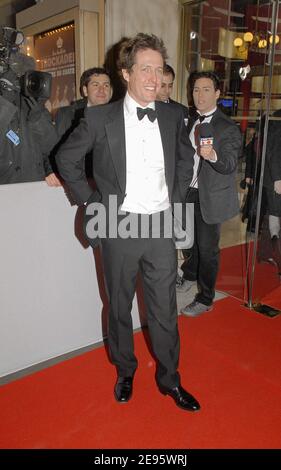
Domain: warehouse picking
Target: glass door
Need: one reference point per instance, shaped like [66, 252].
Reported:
[240, 41]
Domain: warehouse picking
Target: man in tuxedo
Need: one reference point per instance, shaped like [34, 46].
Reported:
[212, 188]
[95, 89]
[135, 143]
[166, 89]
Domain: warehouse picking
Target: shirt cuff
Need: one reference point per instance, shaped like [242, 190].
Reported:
[214, 159]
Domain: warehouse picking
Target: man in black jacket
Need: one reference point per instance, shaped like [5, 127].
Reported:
[166, 89]
[27, 135]
[135, 143]
[212, 188]
[95, 89]
[272, 186]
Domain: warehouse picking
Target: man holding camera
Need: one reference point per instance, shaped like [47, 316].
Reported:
[27, 133]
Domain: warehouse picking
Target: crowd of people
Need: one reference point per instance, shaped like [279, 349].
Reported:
[149, 152]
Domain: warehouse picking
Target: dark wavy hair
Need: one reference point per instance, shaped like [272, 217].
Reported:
[87, 74]
[211, 75]
[169, 70]
[140, 42]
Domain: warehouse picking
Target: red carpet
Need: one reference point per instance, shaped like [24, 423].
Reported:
[230, 360]
[233, 270]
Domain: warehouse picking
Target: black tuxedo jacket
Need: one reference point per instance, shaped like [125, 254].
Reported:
[67, 119]
[218, 194]
[102, 131]
[272, 168]
[181, 106]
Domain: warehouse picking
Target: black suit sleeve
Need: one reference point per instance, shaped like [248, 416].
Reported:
[227, 146]
[63, 120]
[70, 161]
[250, 159]
[184, 164]
[274, 154]
[44, 132]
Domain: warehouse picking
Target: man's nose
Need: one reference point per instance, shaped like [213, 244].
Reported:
[153, 75]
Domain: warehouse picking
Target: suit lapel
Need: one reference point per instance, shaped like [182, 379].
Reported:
[217, 124]
[168, 135]
[115, 128]
[115, 131]
[190, 124]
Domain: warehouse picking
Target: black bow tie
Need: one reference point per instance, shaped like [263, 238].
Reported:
[151, 113]
[203, 116]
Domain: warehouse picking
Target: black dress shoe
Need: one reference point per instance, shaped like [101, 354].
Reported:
[183, 399]
[123, 389]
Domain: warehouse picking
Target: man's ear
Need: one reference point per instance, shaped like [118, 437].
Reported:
[125, 74]
[85, 91]
[218, 92]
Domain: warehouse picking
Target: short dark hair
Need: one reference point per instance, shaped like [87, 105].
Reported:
[87, 74]
[168, 69]
[207, 74]
[140, 42]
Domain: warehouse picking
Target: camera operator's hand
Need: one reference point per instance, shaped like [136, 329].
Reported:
[35, 109]
[52, 180]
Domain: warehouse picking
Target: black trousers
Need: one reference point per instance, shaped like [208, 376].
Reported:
[202, 262]
[273, 202]
[155, 259]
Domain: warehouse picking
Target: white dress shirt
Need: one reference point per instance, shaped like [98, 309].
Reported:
[208, 118]
[146, 188]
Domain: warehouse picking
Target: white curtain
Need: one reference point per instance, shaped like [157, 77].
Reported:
[129, 17]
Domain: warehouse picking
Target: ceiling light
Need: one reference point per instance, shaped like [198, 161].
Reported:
[276, 37]
[248, 36]
[262, 43]
[238, 42]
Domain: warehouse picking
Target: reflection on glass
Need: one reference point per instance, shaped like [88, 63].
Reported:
[240, 41]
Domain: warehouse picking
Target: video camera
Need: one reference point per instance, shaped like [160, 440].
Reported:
[15, 73]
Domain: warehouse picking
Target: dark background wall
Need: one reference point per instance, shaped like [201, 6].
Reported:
[8, 10]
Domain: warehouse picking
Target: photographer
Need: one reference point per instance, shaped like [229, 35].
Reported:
[26, 131]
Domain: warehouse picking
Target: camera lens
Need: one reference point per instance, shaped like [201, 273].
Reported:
[37, 84]
[34, 84]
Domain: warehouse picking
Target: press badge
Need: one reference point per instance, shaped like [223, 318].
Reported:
[13, 137]
[206, 141]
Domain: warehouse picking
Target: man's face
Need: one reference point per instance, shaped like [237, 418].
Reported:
[204, 95]
[166, 87]
[145, 77]
[98, 90]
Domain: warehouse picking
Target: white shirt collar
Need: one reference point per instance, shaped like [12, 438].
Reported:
[130, 105]
[209, 112]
